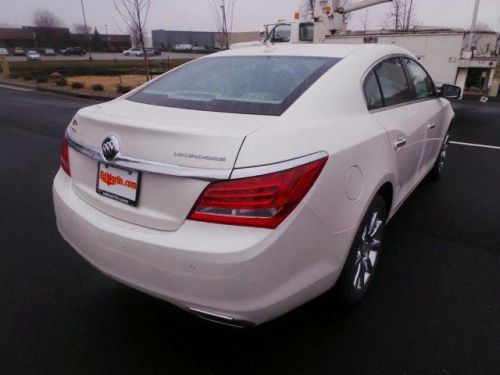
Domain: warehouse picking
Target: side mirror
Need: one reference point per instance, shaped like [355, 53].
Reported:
[450, 92]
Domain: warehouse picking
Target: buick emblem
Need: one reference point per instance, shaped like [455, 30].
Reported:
[110, 148]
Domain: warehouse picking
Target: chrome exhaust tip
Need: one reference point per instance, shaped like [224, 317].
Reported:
[221, 319]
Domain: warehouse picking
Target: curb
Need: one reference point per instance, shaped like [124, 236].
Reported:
[59, 92]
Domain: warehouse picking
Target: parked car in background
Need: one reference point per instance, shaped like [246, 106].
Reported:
[135, 51]
[32, 55]
[18, 51]
[4, 52]
[246, 183]
[183, 47]
[152, 51]
[198, 49]
[78, 51]
[49, 52]
[157, 51]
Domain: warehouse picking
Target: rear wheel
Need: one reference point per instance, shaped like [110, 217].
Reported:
[439, 164]
[363, 258]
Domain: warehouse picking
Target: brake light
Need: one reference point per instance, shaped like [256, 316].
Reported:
[65, 157]
[262, 201]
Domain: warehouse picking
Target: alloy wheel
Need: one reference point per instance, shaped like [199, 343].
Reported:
[368, 250]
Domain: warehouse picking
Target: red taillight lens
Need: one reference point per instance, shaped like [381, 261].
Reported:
[65, 157]
[262, 201]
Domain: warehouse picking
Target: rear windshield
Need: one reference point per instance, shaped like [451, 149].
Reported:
[265, 85]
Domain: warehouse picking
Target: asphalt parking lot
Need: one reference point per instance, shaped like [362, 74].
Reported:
[433, 309]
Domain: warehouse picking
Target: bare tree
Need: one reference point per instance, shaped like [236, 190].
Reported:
[365, 20]
[135, 14]
[80, 28]
[223, 16]
[482, 26]
[45, 18]
[6, 25]
[308, 7]
[401, 16]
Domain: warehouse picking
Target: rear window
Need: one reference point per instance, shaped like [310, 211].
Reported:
[264, 85]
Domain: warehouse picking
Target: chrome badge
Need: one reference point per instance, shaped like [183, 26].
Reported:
[110, 148]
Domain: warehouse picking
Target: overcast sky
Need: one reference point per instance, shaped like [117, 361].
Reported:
[249, 15]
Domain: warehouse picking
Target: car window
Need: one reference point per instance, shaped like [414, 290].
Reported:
[372, 92]
[281, 34]
[420, 79]
[306, 32]
[393, 82]
[265, 85]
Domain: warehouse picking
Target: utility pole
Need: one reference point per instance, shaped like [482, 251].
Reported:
[107, 37]
[470, 39]
[225, 34]
[86, 31]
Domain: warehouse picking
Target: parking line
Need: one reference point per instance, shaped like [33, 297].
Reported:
[475, 145]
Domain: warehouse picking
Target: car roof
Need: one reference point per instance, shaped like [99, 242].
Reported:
[318, 50]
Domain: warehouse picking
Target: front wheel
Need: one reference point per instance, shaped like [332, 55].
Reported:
[363, 258]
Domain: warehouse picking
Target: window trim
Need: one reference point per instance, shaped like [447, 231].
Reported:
[386, 107]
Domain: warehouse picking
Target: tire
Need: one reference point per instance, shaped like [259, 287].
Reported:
[437, 170]
[364, 256]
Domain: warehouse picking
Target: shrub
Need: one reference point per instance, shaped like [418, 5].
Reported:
[41, 79]
[77, 85]
[55, 76]
[61, 81]
[123, 89]
[97, 87]
[27, 77]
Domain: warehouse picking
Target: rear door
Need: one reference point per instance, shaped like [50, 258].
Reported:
[400, 116]
[431, 112]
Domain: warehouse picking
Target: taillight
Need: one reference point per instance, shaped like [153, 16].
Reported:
[65, 157]
[262, 201]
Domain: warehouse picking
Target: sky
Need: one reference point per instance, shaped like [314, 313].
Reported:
[249, 15]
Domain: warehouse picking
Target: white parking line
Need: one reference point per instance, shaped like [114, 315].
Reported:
[14, 88]
[475, 145]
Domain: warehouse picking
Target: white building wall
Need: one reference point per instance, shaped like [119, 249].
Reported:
[438, 53]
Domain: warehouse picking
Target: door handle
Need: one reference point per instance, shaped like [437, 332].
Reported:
[431, 125]
[399, 143]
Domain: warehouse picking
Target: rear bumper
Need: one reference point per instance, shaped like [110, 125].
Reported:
[247, 274]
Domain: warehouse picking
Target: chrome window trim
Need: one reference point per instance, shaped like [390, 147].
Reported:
[190, 172]
[385, 107]
[151, 166]
[276, 167]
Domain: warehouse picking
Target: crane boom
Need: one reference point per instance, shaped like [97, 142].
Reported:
[361, 5]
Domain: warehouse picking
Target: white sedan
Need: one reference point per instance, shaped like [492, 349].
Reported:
[248, 182]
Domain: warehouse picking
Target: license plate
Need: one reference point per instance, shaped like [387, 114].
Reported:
[119, 184]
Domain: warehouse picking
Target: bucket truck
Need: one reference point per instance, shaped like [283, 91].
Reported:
[328, 19]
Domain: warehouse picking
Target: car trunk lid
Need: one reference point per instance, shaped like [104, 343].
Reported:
[183, 147]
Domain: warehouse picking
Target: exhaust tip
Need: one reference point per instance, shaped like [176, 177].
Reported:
[221, 319]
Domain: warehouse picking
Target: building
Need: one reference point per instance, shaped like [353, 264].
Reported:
[57, 38]
[444, 53]
[167, 39]
[211, 40]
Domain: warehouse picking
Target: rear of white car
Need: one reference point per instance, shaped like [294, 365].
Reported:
[237, 202]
